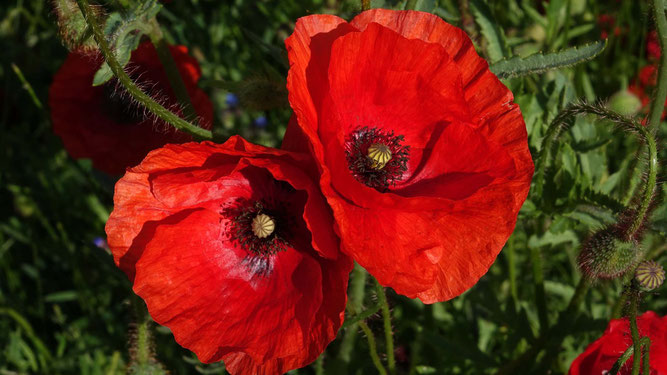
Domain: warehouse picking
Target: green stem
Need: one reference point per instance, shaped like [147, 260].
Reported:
[388, 334]
[361, 316]
[646, 347]
[634, 331]
[410, 4]
[660, 95]
[142, 347]
[136, 93]
[621, 360]
[365, 5]
[171, 69]
[372, 348]
[651, 180]
[27, 86]
[564, 121]
[540, 295]
[511, 266]
[354, 305]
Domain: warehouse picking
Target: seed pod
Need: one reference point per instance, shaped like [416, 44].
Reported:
[605, 255]
[650, 275]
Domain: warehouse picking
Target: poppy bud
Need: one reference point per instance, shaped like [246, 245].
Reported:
[625, 103]
[650, 275]
[605, 255]
[72, 26]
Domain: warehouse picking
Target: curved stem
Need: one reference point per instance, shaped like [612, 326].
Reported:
[136, 93]
[564, 121]
[651, 180]
[372, 348]
[388, 334]
[660, 94]
[171, 69]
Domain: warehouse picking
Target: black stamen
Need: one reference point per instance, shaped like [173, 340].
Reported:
[365, 169]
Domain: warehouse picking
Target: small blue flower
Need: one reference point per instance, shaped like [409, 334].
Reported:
[232, 100]
[261, 122]
[101, 243]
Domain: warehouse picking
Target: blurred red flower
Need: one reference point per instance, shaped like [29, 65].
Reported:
[104, 124]
[643, 86]
[423, 155]
[232, 248]
[600, 356]
[653, 46]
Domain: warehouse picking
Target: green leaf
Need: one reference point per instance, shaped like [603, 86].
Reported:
[496, 45]
[539, 63]
[124, 31]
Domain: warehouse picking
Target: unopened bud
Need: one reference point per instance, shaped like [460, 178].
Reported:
[650, 275]
[605, 255]
[625, 103]
[72, 26]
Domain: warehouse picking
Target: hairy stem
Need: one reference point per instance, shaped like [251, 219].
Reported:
[136, 93]
[372, 348]
[564, 121]
[171, 69]
[634, 331]
[354, 307]
[388, 334]
[660, 94]
[621, 360]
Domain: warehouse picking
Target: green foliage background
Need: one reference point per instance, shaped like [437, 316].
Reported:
[64, 306]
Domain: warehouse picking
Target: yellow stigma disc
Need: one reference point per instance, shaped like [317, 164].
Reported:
[263, 226]
[380, 154]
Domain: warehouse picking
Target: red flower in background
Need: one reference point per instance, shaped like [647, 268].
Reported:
[653, 46]
[104, 124]
[600, 356]
[643, 85]
[422, 154]
[232, 248]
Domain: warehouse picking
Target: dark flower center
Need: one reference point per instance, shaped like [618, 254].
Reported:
[119, 105]
[258, 228]
[376, 157]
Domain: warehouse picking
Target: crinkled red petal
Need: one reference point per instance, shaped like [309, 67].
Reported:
[600, 356]
[437, 231]
[79, 118]
[167, 232]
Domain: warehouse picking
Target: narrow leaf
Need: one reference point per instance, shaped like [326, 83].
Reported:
[496, 46]
[539, 63]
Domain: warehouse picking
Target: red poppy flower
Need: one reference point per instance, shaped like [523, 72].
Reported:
[643, 85]
[653, 46]
[232, 248]
[600, 356]
[104, 124]
[423, 155]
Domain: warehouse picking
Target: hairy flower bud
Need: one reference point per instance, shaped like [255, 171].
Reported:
[72, 26]
[650, 275]
[605, 255]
